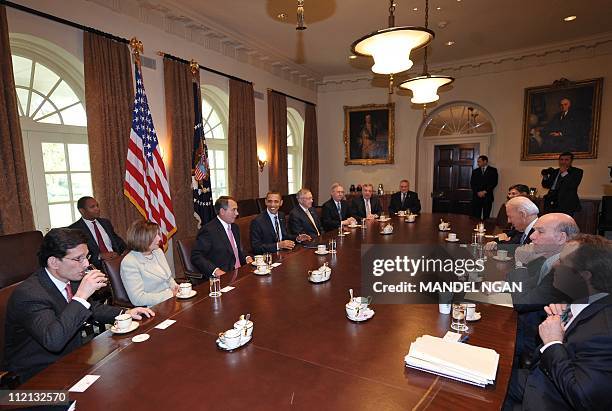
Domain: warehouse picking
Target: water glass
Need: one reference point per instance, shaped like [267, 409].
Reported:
[363, 223]
[268, 259]
[215, 287]
[475, 238]
[332, 246]
[458, 322]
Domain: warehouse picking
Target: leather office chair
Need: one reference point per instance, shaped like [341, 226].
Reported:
[184, 247]
[248, 207]
[24, 245]
[112, 268]
[288, 204]
[261, 203]
[605, 217]
[7, 379]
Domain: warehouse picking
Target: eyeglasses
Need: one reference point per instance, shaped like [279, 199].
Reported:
[80, 259]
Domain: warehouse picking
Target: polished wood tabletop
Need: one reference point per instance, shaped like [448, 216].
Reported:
[305, 353]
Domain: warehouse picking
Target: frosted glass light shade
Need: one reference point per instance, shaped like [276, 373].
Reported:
[425, 88]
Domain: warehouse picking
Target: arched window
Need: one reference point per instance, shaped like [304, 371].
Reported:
[295, 138]
[214, 118]
[458, 119]
[53, 123]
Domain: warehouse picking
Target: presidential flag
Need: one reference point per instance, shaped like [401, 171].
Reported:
[146, 182]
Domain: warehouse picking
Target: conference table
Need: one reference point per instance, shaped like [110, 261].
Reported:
[305, 353]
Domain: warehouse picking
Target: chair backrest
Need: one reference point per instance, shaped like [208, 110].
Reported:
[112, 268]
[185, 246]
[288, 203]
[248, 207]
[5, 294]
[606, 209]
[19, 256]
[261, 203]
[244, 224]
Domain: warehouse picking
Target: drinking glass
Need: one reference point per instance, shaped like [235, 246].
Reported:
[340, 231]
[458, 322]
[363, 223]
[332, 246]
[268, 259]
[215, 287]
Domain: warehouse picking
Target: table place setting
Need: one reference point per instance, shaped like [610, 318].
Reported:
[502, 255]
[185, 291]
[264, 264]
[320, 275]
[383, 219]
[410, 218]
[480, 228]
[238, 336]
[452, 238]
[322, 249]
[124, 324]
[387, 229]
[357, 309]
[444, 225]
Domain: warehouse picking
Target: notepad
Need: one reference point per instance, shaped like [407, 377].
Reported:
[84, 383]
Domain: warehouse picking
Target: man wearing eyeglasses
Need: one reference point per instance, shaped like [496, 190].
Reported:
[46, 313]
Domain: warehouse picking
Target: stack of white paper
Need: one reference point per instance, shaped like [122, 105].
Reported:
[462, 362]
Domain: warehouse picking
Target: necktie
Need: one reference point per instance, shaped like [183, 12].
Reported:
[523, 238]
[277, 228]
[99, 239]
[312, 221]
[566, 315]
[69, 292]
[339, 207]
[483, 170]
[230, 235]
[403, 198]
[368, 209]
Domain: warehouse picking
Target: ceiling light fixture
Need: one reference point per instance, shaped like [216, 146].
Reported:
[391, 47]
[300, 16]
[570, 18]
[425, 87]
[352, 57]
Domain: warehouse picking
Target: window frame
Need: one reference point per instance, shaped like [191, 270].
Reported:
[219, 103]
[295, 123]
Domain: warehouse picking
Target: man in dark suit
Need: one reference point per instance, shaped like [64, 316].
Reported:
[404, 199]
[562, 184]
[46, 313]
[522, 214]
[218, 248]
[573, 366]
[303, 219]
[567, 130]
[102, 241]
[269, 231]
[366, 206]
[483, 182]
[336, 210]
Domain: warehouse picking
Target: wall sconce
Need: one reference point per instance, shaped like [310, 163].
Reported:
[261, 159]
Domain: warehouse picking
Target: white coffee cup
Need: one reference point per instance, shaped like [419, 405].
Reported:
[452, 236]
[184, 289]
[231, 338]
[261, 269]
[401, 213]
[322, 248]
[245, 327]
[443, 226]
[444, 308]
[388, 228]
[123, 322]
[471, 311]
[410, 218]
[502, 254]
[259, 259]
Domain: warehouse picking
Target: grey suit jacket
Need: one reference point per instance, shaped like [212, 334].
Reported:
[147, 281]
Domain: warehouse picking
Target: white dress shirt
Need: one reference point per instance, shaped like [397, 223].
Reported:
[61, 286]
[107, 241]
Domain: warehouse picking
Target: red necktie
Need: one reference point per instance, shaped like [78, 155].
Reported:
[99, 239]
[69, 292]
[230, 235]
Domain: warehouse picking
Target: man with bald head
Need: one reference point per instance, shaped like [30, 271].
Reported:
[522, 214]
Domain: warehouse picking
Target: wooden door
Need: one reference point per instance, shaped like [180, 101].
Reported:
[453, 165]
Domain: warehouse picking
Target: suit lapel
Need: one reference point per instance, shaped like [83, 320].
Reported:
[92, 243]
[58, 297]
[588, 312]
[268, 223]
[223, 234]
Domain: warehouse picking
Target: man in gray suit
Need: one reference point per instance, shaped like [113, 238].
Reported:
[46, 312]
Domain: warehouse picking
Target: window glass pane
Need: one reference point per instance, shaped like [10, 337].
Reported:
[61, 215]
[81, 185]
[290, 175]
[292, 188]
[46, 108]
[22, 96]
[63, 96]
[57, 187]
[22, 71]
[35, 102]
[217, 133]
[54, 158]
[290, 159]
[220, 157]
[206, 109]
[78, 155]
[220, 177]
[44, 79]
[211, 158]
[52, 119]
[213, 119]
[75, 116]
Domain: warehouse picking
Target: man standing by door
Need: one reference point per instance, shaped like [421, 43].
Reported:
[483, 182]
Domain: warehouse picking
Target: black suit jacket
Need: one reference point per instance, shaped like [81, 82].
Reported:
[358, 210]
[330, 217]
[117, 242]
[578, 373]
[411, 202]
[263, 233]
[42, 327]
[299, 223]
[484, 182]
[214, 250]
[564, 198]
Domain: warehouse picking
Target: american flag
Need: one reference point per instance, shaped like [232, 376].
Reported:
[146, 184]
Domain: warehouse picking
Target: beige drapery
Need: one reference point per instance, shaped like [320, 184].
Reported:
[277, 142]
[310, 163]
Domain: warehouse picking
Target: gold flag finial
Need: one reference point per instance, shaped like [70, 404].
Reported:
[137, 48]
[194, 67]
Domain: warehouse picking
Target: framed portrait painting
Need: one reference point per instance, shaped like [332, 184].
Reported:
[562, 117]
[369, 134]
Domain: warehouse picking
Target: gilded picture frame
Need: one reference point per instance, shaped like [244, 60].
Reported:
[369, 134]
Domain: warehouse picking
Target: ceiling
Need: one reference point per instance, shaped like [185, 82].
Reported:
[478, 27]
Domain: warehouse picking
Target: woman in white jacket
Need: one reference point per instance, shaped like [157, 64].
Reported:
[144, 270]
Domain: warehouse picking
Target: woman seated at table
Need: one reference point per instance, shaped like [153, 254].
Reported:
[144, 270]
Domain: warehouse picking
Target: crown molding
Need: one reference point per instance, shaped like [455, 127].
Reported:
[199, 29]
[586, 47]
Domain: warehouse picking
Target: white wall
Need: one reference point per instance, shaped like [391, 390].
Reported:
[502, 95]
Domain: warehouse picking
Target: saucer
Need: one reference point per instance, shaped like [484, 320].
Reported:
[133, 326]
[364, 315]
[322, 253]
[444, 229]
[243, 341]
[191, 294]
[476, 317]
[482, 232]
[490, 235]
[353, 225]
[266, 272]
[325, 279]
[140, 338]
[383, 233]
[257, 265]
[408, 221]
[495, 257]
[451, 241]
